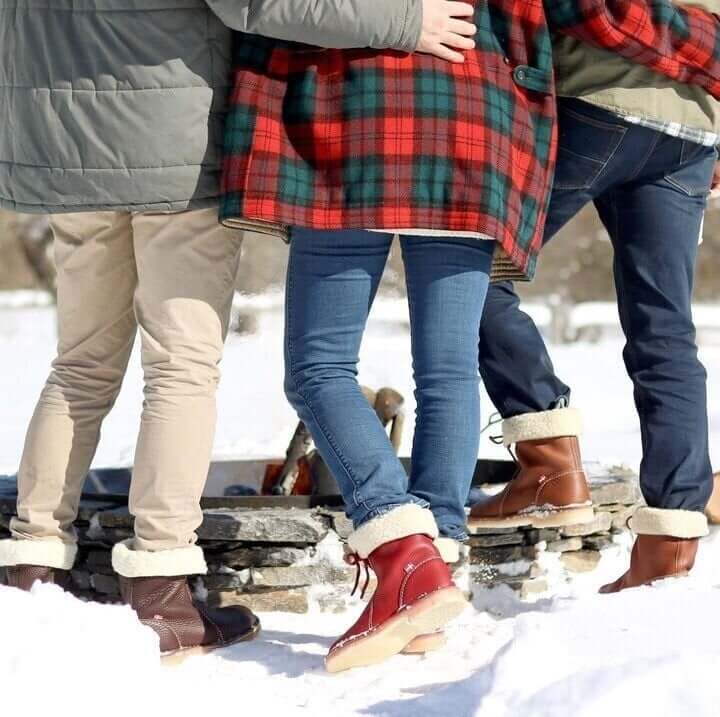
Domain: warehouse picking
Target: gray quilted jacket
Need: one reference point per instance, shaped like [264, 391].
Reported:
[119, 104]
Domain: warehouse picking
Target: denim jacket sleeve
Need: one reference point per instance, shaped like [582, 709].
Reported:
[380, 24]
[682, 43]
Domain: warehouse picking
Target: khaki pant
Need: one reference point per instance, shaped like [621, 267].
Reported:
[170, 277]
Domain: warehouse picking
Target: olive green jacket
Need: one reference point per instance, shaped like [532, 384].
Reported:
[608, 80]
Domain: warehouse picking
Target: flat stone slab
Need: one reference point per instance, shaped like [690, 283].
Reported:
[301, 576]
[613, 489]
[230, 580]
[597, 542]
[491, 541]
[265, 526]
[580, 561]
[266, 601]
[271, 557]
[116, 518]
[565, 546]
[600, 524]
[533, 536]
[501, 554]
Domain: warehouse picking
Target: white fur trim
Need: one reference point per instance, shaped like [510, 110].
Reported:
[558, 423]
[162, 563]
[675, 523]
[449, 549]
[398, 523]
[41, 552]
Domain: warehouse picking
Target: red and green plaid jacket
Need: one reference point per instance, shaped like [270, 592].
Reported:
[340, 139]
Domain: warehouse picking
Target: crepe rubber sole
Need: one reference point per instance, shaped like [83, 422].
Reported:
[426, 643]
[176, 657]
[426, 616]
[552, 518]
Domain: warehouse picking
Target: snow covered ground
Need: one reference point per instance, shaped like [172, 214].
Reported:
[256, 421]
[653, 651]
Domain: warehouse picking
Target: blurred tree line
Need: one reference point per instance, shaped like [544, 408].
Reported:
[576, 266]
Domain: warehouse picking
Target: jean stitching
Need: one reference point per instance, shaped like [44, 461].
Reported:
[621, 132]
[292, 375]
[651, 149]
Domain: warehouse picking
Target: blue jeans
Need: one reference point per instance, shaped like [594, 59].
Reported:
[332, 280]
[650, 191]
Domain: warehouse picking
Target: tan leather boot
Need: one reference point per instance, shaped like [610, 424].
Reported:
[25, 576]
[655, 557]
[185, 627]
[713, 507]
[550, 489]
[665, 547]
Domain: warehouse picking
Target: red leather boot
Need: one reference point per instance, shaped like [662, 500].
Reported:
[415, 594]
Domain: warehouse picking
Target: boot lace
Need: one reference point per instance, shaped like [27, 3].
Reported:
[494, 419]
[359, 563]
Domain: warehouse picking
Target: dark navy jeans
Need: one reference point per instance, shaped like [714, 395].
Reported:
[331, 284]
[650, 191]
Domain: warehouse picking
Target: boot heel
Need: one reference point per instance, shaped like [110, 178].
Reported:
[436, 610]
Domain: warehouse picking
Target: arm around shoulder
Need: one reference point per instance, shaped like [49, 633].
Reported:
[380, 24]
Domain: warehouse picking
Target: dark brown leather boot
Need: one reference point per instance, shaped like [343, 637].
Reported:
[185, 627]
[550, 489]
[25, 576]
[655, 557]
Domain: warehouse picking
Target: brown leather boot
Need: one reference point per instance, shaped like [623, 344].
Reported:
[25, 576]
[185, 627]
[550, 488]
[655, 557]
[665, 547]
[713, 507]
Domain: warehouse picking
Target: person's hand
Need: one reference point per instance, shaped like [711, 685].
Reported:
[444, 28]
[715, 186]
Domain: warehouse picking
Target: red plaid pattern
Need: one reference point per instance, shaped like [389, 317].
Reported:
[381, 140]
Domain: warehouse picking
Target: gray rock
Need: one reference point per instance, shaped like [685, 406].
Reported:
[272, 525]
[231, 580]
[267, 601]
[301, 575]
[90, 506]
[580, 561]
[600, 524]
[340, 523]
[105, 584]
[116, 518]
[81, 579]
[613, 489]
[597, 542]
[262, 556]
[99, 561]
[494, 531]
[491, 576]
[541, 535]
[491, 541]
[334, 602]
[503, 554]
[565, 546]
